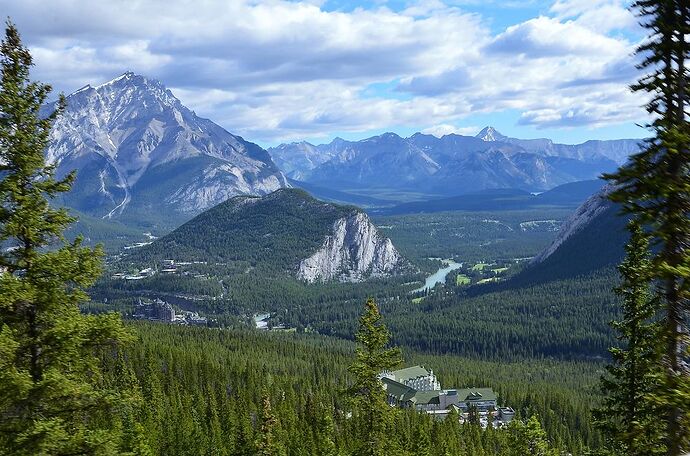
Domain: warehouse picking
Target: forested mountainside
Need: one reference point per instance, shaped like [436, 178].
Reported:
[592, 238]
[450, 165]
[251, 250]
[204, 391]
[142, 156]
[287, 233]
[558, 306]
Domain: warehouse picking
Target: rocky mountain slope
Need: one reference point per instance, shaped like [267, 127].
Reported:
[451, 165]
[592, 239]
[287, 232]
[139, 151]
[583, 216]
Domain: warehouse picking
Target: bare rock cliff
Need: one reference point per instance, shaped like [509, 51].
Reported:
[353, 252]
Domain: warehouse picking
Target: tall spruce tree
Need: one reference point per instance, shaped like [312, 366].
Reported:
[655, 187]
[371, 410]
[629, 415]
[267, 444]
[52, 397]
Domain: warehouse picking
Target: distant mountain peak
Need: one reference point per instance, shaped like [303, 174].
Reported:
[490, 134]
[130, 131]
[128, 76]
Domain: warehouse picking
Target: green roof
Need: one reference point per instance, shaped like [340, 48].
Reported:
[476, 394]
[410, 373]
[426, 397]
[401, 392]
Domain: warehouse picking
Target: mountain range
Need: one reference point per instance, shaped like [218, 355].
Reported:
[140, 153]
[143, 159]
[450, 165]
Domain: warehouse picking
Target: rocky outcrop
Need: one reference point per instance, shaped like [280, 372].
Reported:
[353, 252]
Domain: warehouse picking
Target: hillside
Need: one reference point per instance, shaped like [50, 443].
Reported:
[592, 239]
[287, 232]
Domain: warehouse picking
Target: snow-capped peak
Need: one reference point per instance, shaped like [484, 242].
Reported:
[123, 76]
[490, 134]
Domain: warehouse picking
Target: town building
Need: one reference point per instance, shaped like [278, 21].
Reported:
[419, 389]
[159, 310]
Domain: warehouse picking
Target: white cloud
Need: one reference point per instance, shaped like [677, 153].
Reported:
[282, 70]
[600, 15]
[549, 37]
[446, 129]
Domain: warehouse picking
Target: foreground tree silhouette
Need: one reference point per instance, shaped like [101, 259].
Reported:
[52, 400]
[629, 417]
[655, 188]
[372, 413]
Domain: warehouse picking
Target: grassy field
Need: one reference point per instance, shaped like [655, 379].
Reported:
[462, 279]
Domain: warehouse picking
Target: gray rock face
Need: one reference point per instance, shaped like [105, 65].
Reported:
[588, 211]
[297, 159]
[353, 252]
[451, 165]
[135, 145]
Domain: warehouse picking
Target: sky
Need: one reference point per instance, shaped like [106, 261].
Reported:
[281, 71]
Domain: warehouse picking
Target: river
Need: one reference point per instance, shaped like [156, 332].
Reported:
[438, 276]
[261, 320]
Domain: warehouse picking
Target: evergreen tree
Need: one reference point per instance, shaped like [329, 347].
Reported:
[528, 439]
[369, 398]
[52, 397]
[325, 444]
[629, 416]
[267, 444]
[655, 187]
[473, 416]
[422, 440]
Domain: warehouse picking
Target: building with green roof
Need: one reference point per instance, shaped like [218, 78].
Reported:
[415, 387]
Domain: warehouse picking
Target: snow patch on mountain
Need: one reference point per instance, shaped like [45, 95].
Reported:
[490, 134]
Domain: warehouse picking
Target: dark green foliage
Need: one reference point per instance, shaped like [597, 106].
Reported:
[371, 411]
[601, 244]
[528, 439]
[471, 236]
[547, 319]
[629, 415]
[202, 394]
[655, 188]
[267, 446]
[54, 397]
[271, 234]
[247, 252]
